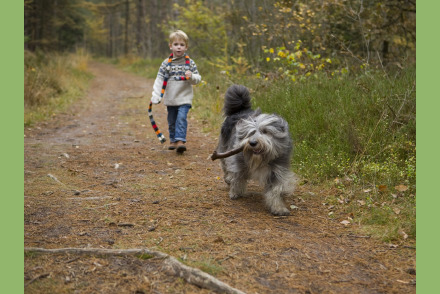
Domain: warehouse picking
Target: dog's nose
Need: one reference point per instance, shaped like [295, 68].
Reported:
[253, 143]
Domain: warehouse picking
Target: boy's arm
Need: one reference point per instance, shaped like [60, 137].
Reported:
[157, 88]
[158, 83]
[195, 77]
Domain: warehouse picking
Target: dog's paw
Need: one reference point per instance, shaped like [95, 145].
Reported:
[234, 196]
[280, 211]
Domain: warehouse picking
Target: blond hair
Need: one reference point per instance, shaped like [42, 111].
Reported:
[179, 35]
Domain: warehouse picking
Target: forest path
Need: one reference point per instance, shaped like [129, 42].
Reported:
[97, 177]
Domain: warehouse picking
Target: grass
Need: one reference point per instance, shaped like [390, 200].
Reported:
[209, 266]
[147, 68]
[52, 82]
[145, 256]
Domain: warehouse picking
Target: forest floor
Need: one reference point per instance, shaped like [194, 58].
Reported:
[96, 176]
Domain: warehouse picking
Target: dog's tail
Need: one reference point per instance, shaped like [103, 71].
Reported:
[237, 98]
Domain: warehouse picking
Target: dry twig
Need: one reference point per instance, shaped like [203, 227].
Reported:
[216, 155]
[42, 276]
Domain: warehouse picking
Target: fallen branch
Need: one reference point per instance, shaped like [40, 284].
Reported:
[170, 265]
[216, 155]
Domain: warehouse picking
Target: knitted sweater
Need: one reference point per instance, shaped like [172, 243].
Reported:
[177, 92]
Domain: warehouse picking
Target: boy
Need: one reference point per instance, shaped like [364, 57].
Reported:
[174, 83]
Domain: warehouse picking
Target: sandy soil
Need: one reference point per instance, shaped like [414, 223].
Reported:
[97, 177]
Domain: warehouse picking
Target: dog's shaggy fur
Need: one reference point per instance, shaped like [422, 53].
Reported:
[266, 154]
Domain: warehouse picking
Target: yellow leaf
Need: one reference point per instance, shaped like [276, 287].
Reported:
[282, 54]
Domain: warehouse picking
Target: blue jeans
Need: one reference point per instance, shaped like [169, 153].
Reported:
[177, 122]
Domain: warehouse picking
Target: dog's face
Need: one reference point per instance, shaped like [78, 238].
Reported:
[265, 135]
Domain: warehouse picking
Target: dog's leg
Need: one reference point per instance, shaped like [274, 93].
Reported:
[274, 201]
[237, 186]
[289, 182]
[226, 175]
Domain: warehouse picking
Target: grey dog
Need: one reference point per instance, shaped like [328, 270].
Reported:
[263, 148]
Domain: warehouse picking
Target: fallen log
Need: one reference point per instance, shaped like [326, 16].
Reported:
[170, 265]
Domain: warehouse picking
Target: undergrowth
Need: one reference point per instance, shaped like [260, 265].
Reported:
[52, 81]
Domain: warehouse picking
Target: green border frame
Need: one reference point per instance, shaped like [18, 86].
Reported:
[427, 146]
[12, 157]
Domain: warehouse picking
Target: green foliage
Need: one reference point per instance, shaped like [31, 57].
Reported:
[335, 28]
[205, 28]
[297, 64]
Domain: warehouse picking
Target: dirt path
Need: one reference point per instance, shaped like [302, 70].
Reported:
[98, 177]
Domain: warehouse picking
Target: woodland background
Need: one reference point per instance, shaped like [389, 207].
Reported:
[365, 30]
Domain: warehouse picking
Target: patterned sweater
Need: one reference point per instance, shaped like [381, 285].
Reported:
[177, 92]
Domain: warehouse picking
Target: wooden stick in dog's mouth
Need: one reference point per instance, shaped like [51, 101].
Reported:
[216, 155]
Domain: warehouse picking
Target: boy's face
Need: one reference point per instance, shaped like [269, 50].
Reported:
[178, 47]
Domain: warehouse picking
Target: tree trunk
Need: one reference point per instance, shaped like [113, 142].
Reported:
[127, 21]
[140, 28]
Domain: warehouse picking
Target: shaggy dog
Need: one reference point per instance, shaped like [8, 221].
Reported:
[261, 148]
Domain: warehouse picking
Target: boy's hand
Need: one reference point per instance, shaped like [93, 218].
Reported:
[155, 100]
[188, 74]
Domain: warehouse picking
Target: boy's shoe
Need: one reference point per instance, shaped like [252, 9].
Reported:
[173, 145]
[181, 147]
